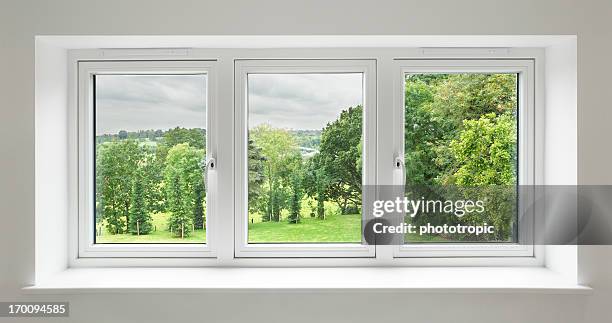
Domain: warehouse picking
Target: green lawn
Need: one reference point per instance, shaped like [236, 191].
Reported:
[336, 228]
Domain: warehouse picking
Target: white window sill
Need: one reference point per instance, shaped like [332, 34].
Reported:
[459, 279]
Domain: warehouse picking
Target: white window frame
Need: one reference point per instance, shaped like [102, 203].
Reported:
[525, 68]
[86, 173]
[223, 107]
[258, 66]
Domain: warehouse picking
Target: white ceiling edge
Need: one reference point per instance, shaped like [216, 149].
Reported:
[300, 41]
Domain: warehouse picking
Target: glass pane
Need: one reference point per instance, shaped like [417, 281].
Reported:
[150, 150]
[461, 144]
[304, 158]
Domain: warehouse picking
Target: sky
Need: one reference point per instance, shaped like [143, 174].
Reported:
[289, 101]
[301, 101]
[142, 102]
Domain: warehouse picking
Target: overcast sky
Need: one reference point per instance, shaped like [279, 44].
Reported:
[301, 101]
[290, 101]
[141, 102]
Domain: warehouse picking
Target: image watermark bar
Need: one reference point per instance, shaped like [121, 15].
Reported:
[524, 214]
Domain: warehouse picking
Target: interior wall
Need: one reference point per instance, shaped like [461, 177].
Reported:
[22, 20]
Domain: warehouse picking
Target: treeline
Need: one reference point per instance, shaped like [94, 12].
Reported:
[134, 180]
[150, 134]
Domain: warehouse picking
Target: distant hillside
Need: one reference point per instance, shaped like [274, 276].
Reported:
[307, 139]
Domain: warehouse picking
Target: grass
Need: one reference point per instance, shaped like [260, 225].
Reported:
[161, 235]
[335, 228]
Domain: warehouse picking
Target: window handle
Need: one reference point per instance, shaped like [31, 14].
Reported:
[210, 173]
[398, 162]
[399, 176]
[211, 164]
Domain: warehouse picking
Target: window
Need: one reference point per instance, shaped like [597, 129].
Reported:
[305, 147]
[178, 159]
[467, 135]
[145, 135]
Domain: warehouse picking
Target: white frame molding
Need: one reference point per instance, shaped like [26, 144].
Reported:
[223, 61]
[525, 69]
[242, 69]
[86, 174]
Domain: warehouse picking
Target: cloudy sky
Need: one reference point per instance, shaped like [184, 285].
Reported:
[290, 101]
[301, 101]
[141, 102]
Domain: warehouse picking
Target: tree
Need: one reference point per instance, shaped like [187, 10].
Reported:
[282, 158]
[256, 177]
[116, 164]
[180, 219]
[340, 158]
[153, 177]
[485, 152]
[315, 184]
[321, 202]
[182, 175]
[296, 200]
[435, 109]
[423, 133]
[195, 137]
[484, 159]
[140, 220]
[198, 214]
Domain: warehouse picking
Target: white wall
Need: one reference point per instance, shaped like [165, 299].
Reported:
[21, 20]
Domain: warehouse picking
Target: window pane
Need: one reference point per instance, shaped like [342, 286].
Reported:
[305, 158]
[461, 144]
[150, 150]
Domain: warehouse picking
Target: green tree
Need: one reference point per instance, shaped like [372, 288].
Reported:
[423, 133]
[435, 109]
[195, 137]
[198, 214]
[485, 152]
[256, 178]
[140, 220]
[296, 199]
[484, 159]
[183, 175]
[180, 219]
[153, 177]
[315, 184]
[116, 164]
[281, 158]
[340, 158]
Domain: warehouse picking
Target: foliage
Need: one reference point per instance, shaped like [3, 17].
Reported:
[116, 164]
[199, 218]
[281, 159]
[256, 164]
[195, 137]
[152, 176]
[140, 220]
[296, 199]
[183, 174]
[485, 152]
[340, 157]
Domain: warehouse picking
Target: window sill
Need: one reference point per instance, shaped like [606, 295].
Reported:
[459, 279]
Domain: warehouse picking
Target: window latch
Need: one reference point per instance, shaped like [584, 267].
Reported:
[211, 164]
[398, 163]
